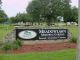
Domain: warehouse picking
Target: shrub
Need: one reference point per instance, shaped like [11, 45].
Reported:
[15, 45]
[73, 39]
[18, 42]
[6, 47]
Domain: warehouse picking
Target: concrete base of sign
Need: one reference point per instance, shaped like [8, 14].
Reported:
[43, 41]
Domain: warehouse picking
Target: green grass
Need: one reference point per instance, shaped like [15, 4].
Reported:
[68, 54]
[73, 30]
[4, 30]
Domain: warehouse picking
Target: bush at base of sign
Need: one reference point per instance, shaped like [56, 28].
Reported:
[6, 47]
[73, 39]
[16, 44]
[10, 46]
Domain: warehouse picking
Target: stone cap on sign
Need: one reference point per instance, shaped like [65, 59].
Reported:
[32, 27]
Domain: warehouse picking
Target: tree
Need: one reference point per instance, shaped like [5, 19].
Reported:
[34, 9]
[21, 17]
[12, 19]
[3, 16]
[48, 10]
[75, 14]
[71, 15]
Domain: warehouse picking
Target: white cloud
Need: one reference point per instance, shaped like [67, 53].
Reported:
[74, 3]
[12, 7]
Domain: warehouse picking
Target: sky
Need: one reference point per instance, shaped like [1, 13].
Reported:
[12, 7]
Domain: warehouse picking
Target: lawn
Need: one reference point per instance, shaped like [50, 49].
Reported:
[68, 54]
[4, 30]
[73, 30]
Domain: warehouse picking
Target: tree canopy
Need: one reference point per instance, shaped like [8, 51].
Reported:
[49, 10]
[3, 16]
[21, 17]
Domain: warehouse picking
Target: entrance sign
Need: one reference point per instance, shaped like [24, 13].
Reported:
[41, 34]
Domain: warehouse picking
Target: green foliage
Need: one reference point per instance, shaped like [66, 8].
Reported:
[13, 20]
[21, 17]
[71, 15]
[18, 42]
[49, 10]
[15, 45]
[3, 16]
[7, 47]
[73, 39]
[4, 30]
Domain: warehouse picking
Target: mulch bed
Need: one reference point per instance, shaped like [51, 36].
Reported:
[42, 47]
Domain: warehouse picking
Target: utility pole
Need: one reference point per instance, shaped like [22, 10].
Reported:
[78, 41]
[0, 3]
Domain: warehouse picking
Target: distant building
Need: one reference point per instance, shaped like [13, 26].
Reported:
[60, 18]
